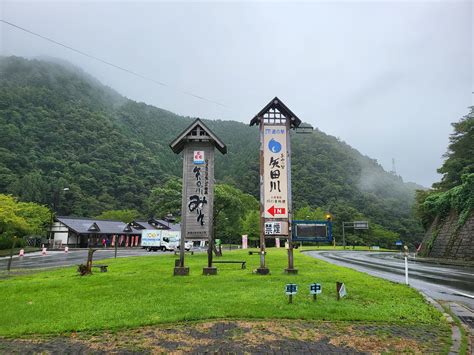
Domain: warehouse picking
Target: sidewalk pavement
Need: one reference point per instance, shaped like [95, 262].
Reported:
[246, 336]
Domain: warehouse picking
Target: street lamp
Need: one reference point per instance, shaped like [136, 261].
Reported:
[304, 128]
[55, 208]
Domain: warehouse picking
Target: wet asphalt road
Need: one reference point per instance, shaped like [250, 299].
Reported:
[441, 282]
[74, 257]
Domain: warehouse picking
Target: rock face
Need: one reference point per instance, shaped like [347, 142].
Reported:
[446, 239]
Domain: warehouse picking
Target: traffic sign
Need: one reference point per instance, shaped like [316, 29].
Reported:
[361, 225]
[291, 289]
[276, 210]
[315, 289]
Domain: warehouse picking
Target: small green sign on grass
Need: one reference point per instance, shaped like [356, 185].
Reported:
[290, 290]
[315, 289]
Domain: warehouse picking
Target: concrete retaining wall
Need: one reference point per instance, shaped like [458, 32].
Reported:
[444, 239]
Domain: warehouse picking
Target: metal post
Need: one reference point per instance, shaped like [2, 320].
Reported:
[263, 270]
[116, 245]
[406, 264]
[406, 270]
[343, 237]
[291, 269]
[181, 270]
[209, 252]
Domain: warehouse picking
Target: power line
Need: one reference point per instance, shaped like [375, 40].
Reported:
[112, 64]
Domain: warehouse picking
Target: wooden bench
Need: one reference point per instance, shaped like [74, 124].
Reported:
[176, 252]
[103, 268]
[230, 262]
[257, 252]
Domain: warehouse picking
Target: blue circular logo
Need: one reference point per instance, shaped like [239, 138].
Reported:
[274, 146]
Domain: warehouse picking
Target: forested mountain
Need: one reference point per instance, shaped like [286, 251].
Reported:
[62, 128]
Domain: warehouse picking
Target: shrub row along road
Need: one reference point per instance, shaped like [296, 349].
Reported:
[451, 284]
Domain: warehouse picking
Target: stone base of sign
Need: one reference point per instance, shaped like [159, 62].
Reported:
[181, 271]
[209, 271]
[263, 271]
[291, 271]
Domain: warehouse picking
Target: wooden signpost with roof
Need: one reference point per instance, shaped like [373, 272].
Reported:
[275, 121]
[197, 142]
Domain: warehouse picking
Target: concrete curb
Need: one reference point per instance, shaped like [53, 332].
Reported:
[456, 335]
[450, 262]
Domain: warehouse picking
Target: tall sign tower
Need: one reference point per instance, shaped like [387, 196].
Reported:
[275, 121]
[197, 142]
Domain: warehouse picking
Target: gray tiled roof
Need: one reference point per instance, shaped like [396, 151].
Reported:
[172, 226]
[83, 225]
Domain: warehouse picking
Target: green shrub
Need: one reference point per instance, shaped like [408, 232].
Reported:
[439, 204]
[7, 242]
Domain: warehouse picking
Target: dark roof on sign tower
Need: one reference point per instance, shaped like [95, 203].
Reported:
[276, 108]
[198, 132]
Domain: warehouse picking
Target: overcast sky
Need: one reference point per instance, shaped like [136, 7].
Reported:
[388, 78]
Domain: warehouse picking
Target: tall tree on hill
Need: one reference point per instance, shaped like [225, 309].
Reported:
[460, 154]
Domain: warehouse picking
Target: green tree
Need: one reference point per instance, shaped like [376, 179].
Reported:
[460, 154]
[251, 225]
[230, 207]
[125, 216]
[310, 214]
[22, 218]
[455, 191]
[166, 199]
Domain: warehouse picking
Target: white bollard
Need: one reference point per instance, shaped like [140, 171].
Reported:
[66, 249]
[405, 248]
[22, 252]
[406, 270]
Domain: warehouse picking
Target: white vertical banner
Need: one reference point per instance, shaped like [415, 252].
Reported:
[245, 241]
[275, 179]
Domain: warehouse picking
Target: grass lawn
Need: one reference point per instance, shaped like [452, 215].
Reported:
[143, 291]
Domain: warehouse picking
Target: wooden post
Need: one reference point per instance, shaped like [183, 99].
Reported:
[275, 121]
[262, 270]
[183, 214]
[197, 143]
[89, 260]
[290, 269]
[11, 255]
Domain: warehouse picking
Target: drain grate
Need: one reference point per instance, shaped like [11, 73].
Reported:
[468, 320]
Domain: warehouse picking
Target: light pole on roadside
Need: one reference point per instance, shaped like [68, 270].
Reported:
[55, 207]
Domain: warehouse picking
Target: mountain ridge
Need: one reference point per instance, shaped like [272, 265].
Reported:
[63, 128]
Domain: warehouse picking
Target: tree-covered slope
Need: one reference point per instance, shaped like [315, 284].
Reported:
[60, 127]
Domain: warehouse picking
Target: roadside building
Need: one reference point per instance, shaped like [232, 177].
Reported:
[83, 232]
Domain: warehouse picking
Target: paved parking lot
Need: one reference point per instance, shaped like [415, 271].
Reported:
[74, 257]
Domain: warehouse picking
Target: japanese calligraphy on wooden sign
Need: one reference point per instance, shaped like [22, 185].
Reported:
[275, 178]
[198, 188]
[274, 121]
[198, 143]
